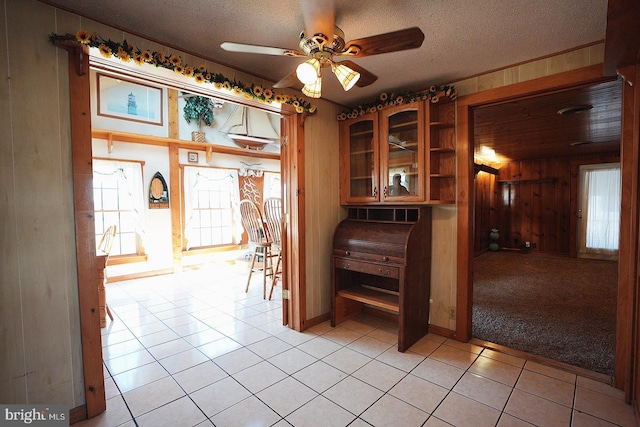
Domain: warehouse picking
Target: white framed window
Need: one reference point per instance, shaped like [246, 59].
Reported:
[211, 200]
[599, 209]
[272, 185]
[118, 198]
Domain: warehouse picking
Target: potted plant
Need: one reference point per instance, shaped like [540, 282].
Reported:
[199, 109]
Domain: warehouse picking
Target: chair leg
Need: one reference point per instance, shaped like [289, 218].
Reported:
[253, 261]
[109, 312]
[274, 280]
[266, 258]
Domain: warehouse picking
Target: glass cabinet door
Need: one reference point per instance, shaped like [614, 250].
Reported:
[402, 153]
[361, 162]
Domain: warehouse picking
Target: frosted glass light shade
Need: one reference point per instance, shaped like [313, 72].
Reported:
[346, 76]
[313, 90]
[307, 72]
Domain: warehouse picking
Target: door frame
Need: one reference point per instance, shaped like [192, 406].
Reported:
[464, 157]
[292, 171]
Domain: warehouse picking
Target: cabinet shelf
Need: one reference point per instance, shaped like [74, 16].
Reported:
[360, 152]
[442, 157]
[441, 124]
[367, 133]
[407, 124]
[386, 300]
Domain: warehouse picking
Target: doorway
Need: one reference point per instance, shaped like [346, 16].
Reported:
[79, 84]
[465, 153]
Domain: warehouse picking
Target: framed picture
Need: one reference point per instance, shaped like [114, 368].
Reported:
[192, 157]
[123, 99]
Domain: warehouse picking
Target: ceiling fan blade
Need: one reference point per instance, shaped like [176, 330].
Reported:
[394, 41]
[366, 77]
[253, 48]
[289, 81]
[319, 17]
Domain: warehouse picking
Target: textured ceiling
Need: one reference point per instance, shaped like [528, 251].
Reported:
[462, 37]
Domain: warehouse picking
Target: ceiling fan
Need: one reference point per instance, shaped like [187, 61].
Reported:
[321, 41]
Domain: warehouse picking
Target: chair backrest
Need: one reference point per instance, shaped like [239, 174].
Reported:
[106, 242]
[273, 216]
[252, 222]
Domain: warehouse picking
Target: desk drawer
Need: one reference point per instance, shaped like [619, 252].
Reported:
[367, 267]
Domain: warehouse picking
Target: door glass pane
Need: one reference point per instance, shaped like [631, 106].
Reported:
[402, 162]
[599, 209]
[361, 165]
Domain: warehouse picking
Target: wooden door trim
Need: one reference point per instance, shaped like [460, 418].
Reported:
[626, 334]
[82, 172]
[294, 261]
[464, 156]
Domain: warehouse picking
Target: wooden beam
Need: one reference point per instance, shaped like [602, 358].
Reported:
[81, 154]
[175, 206]
[622, 41]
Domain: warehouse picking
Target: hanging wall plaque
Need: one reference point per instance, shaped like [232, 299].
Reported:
[158, 193]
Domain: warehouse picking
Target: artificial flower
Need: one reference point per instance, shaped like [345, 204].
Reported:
[199, 78]
[105, 50]
[123, 54]
[83, 36]
[175, 60]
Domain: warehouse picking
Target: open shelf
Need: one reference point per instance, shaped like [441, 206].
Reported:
[385, 214]
[385, 300]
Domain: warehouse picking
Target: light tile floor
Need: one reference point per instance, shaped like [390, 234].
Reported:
[194, 349]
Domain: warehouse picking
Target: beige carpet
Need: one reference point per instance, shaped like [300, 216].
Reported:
[556, 307]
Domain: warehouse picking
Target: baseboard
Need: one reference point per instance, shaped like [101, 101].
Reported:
[443, 332]
[309, 323]
[77, 414]
[142, 275]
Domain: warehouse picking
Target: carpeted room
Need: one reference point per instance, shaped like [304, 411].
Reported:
[555, 307]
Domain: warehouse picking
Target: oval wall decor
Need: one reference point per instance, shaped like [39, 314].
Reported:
[158, 192]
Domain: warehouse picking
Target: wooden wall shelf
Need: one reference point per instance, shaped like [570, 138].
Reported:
[111, 136]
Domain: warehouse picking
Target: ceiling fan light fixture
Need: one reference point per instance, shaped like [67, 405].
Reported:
[313, 90]
[346, 76]
[309, 71]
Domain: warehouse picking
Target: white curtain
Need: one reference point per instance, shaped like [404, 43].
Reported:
[199, 178]
[129, 176]
[272, 185]
[602, 186]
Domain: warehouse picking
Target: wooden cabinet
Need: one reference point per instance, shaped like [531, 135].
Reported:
[441, 142]
[402, 153]
[399, 155]
[382, 260]
[359, 160]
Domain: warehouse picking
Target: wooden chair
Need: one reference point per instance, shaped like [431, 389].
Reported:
[272, 209]
[254, 225]
[106, 242]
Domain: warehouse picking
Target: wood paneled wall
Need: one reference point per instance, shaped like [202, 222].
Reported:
[534, 201]
[486, 210]
[531, 201]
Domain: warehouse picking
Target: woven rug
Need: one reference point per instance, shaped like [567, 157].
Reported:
[555, 307]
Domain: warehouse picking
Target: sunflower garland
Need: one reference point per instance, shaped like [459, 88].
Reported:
[127, 52]
[433, 94]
